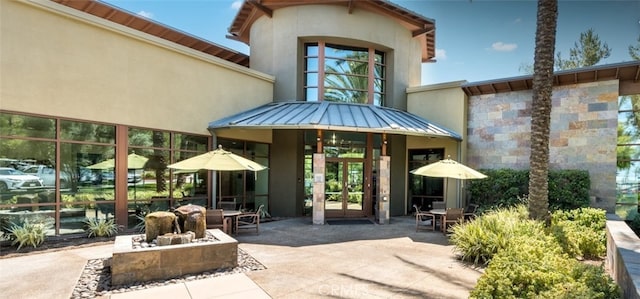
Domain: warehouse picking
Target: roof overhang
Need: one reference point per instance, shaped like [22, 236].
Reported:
[137, 22]
[625, 71]
[336, 116]
[421, 27]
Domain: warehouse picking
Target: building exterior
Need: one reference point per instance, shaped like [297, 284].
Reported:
[99, 101]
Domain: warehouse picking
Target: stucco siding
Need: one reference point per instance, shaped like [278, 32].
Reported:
[66, 63]
[276, 42]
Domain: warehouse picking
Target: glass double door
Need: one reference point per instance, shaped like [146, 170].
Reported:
[344, 187]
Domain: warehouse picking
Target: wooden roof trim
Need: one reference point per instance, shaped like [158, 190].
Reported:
[624, 71]
[133, 21]
[262, 8]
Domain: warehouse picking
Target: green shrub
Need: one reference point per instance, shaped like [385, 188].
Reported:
[581, 232]
[479, 240]
[568, 189]
[537, 268]
[30, 232]
[99, 227]
[634, 224]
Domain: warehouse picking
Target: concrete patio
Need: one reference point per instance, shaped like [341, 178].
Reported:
[302, 261]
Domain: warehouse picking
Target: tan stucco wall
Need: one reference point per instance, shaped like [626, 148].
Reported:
[277, 46]
[58, 61]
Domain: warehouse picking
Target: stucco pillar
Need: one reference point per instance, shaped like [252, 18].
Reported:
[384, 179]
[318, 188]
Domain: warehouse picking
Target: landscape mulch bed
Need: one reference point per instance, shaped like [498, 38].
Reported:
[52, 244]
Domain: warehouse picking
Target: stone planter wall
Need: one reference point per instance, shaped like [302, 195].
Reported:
[164, 262]
[623, 257]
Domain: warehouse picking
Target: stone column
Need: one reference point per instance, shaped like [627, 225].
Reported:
[318, 188]
[384, 179]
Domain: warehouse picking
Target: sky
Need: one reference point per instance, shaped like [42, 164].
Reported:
[476, 40]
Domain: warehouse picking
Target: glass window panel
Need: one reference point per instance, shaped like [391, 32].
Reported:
[72, 218]
[36, 159]
[378, 72]
[83, 131]
[378, 99]
[345, 95]
[234, 146]
[346, 67]
[148, 138]
[312, 79]
[153, 179]
[191, 142]
[311, 94]
[379, 57]
[258, 149]
[312, 64]
[261, 177]
[344, 52]
[27, 126]
[312, 49]
[88, 170]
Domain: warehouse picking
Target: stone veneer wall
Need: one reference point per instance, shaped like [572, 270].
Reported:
[583, 133]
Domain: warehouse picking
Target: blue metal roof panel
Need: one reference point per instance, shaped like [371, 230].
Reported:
[333, 116]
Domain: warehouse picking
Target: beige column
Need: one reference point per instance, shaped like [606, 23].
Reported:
[318, 188]
[384, 179]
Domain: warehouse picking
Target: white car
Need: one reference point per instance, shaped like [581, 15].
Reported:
[11, 179]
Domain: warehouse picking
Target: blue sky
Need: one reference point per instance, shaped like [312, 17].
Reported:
[475, 40]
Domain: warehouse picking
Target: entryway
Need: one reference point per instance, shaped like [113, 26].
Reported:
[344, 187]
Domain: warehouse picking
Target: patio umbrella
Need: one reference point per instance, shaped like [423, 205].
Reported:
[446, 169]
[134, 161]
[218, 160]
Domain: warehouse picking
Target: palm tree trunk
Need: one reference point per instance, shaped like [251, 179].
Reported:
[541, 109]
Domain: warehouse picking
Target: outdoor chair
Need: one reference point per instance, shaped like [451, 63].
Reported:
[470, 211]
[424, 220]
[250, 220]
[227, 204]
[215, 219]
[452, 216]
[438, 205]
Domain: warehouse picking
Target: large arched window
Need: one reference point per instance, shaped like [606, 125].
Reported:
[344, 74]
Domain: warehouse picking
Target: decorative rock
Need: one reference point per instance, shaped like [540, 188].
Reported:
[191, 218]
[172, 239]
[159, 223]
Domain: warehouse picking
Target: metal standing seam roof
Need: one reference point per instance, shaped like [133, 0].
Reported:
[328, 115]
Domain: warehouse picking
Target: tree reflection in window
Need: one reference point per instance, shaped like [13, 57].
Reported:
[628, 156]
[347, 75]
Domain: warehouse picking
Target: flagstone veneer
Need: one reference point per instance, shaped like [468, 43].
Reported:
[583, 133]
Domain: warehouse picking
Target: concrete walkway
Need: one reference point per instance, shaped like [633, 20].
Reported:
[302, 261]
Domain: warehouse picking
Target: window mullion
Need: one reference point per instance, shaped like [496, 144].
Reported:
[371, 79]
[321, 63]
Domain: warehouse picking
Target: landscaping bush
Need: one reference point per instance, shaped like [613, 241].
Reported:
[32, 231]
[537, 268]
[581, 232]
[568, 189]
[479, 240]
[99, 227]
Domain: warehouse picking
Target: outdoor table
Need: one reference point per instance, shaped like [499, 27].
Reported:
[233, 214]
[438, 213]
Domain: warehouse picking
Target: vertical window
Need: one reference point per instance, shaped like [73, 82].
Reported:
[628, 157]
[344, 74]
[244, 189]
[423, 190]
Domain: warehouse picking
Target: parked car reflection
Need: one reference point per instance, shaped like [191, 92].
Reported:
[11, 179]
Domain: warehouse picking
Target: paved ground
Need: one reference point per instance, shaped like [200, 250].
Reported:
[302, 261]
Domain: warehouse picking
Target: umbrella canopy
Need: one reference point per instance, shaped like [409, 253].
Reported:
[448, 168]
[218, 159]
[134, 161]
